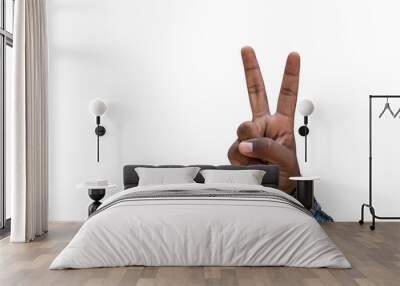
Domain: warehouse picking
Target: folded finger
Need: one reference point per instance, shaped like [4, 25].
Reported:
[248, 130]
[236, 158]
[267, 149]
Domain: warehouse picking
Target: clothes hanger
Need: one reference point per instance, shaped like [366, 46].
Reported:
[397, 113]
[387, 107]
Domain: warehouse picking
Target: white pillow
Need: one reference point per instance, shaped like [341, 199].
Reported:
[165, 176]
[248, 177]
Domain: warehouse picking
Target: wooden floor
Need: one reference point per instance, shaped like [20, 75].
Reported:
[375, 257]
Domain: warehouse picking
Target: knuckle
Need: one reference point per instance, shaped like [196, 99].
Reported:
[255, 88]
[262, 148]
[266, 146]
[247, 130]
[287, 91]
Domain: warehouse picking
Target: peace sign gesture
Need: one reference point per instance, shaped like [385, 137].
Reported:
[269, 138]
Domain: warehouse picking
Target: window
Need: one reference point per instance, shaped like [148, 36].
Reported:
[6, 44]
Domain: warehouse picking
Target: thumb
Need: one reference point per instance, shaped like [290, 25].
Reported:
[267, 149]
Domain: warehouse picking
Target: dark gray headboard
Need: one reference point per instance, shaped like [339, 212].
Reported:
[271, 177]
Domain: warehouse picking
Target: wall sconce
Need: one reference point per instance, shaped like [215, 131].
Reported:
[97, 107]
[306, 107]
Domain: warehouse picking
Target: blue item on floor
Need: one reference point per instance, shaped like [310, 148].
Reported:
[319, 214]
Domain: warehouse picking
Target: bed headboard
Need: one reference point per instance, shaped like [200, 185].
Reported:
[270, 179]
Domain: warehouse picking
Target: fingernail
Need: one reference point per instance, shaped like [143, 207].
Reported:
[245, 147]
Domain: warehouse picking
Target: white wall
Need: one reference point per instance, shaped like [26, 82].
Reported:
[172, 76]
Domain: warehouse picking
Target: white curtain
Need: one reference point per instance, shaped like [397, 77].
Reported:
[28, 123]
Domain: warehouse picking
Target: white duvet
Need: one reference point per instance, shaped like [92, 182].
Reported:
[199, 231]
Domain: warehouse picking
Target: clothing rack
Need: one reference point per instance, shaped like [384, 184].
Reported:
[370, 205]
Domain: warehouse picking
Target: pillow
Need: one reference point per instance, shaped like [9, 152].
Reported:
[165, 176]
[248, 177]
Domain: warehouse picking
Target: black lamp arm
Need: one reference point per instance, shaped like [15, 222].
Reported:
[305, 120]
[99, 131]
[303, 131]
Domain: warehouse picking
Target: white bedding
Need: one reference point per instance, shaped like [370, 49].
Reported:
[200, 231]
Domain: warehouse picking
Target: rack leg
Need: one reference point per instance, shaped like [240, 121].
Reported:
[361, 221]
[372, 210]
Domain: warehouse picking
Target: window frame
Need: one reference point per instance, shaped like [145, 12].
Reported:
[6, 39]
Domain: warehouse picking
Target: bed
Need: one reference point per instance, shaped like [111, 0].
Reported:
[199, 224]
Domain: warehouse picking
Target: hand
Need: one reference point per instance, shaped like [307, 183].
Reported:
[269, 138]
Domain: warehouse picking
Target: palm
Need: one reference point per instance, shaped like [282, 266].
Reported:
[274, 130]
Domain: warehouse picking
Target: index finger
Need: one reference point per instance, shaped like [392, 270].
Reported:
[255, 83]
[290, 86]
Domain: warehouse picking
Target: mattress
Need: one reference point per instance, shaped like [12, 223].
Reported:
[201, 225]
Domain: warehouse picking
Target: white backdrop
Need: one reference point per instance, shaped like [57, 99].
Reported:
[172, 76]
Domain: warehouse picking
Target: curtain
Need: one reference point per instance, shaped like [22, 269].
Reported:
[28, 123]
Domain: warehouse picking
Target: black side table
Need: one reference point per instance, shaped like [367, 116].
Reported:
[96, 193]
[305, 190]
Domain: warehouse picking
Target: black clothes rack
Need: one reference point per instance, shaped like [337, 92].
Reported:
[370, 205]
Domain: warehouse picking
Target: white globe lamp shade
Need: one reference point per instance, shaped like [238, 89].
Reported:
[306, 107]
[97, 107]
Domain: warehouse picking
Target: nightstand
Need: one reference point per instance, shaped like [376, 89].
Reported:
[96, 193]
[305, 190]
